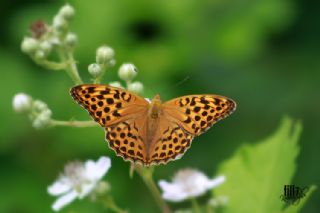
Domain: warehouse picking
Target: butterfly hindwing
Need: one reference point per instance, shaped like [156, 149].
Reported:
[197, 113]
[127, 140]
[171, 142]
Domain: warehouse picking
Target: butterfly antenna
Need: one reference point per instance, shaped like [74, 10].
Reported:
[177, 84]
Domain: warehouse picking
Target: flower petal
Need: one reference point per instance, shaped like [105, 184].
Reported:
[96, 171]
[61, 186]
[216, 182]
[64, 200]
[86, 189]
[172, 192]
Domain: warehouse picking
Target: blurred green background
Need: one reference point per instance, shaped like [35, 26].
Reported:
[262, 53]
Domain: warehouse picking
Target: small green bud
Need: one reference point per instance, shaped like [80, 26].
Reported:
[42, 120]
[22, 102]
[127, 72]
[29, 45]
[105, 55]
[46, 47]
[102, 188]
[71, 40]
[60, 24]
[40, 55]
[95, 70]
[218, 201]
[116, 84]
[136, 87]
[39, 106]
[67, 12]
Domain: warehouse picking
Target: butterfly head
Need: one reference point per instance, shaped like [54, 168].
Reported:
[155, 107]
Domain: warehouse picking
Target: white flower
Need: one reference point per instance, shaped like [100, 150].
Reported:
[22, 102]
[78, 180]
[188, 183]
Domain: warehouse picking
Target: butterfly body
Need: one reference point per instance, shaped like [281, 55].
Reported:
[150, 132]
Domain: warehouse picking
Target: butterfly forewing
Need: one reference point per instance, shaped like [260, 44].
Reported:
[108, 105]
[197, 113]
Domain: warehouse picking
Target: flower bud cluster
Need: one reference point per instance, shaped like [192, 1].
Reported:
[128, 72]
[38, 111]
[45, 38]
[104, 59]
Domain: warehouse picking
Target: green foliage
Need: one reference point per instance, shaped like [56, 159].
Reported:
[257, 173]
[298, 207]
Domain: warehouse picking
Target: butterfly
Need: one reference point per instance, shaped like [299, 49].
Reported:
[150, 133]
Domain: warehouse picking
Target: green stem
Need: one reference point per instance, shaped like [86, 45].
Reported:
[195, 205]
[56, 66]
[146, 175]
[74, 123]
[72, 70]
[109, 203]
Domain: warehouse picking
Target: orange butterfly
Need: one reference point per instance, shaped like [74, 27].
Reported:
[150, 132]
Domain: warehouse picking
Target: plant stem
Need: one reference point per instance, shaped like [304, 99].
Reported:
[55, 66]
[66, 56]
[109, 203]
[74, 123]
[72, 70]
[146, 175]
[195, 205]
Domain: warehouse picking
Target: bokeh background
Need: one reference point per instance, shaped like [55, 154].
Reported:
[262, 53]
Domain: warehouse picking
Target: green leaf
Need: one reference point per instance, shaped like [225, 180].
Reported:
[256, 174]
[298, 207]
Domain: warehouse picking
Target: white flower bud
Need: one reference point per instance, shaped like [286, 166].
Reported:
[71, 40]
[39, 106]
[95, 70]
[102, 187]
[116, 84]
[46, 47]
[22, 102]
[60, 24]
[29, 45]
[105, 55]
[127, 72]
[40, 54]
[67, 12]
[42, 120]
[136, 87]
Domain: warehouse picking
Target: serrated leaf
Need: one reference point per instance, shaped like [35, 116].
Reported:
[257, 173]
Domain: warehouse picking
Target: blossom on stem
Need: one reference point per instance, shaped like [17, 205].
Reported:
[95, 70]
[41, 115]
[105, 56]
[127, 72]
[115, 84]
[188, 183]
[22, 102]
[136, 87]
[78, 180]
